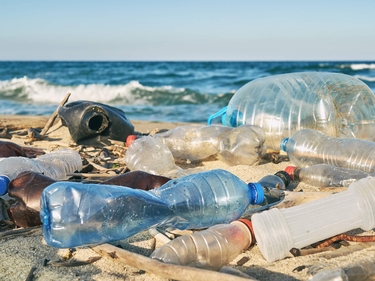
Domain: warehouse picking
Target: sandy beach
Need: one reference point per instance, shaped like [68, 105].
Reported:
[28, 257]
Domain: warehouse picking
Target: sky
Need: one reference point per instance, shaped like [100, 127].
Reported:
[190, 30]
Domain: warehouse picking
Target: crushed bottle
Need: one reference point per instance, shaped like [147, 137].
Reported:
[75, 214]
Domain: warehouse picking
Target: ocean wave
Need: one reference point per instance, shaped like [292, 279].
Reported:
[359, 66]
[40, 91]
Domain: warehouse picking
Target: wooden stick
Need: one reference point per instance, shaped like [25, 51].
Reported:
[87, 175]
[54, 115]
[171, 271]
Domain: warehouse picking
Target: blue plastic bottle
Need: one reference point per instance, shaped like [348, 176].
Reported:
[76, 214]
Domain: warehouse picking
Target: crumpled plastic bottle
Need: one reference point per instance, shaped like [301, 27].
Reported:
[336, 104]
[157, 154]
[75, 214]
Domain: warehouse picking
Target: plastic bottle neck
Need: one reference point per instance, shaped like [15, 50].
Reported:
[4, 182]
[283, 143]
[257, 193]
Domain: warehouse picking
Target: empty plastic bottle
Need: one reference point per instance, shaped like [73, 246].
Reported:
[75, 214]
[234, 146]
[279, 230]
[325, 175]
[359, 271]
[310, 147]
[211, 248]
[337, 104]
[55, 164]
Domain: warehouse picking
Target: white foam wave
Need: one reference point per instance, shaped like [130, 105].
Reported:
[360, 66]
[41, 91]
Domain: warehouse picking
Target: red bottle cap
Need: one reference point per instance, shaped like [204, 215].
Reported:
[250, 227]
[290, 171]
[130, 139]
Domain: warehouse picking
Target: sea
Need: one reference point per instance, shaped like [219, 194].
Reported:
[152, 91]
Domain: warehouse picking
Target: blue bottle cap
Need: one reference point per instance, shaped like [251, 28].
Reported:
[257, 193]
[283, 144]
[4, 182]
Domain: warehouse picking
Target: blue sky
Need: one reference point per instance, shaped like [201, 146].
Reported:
[187, 30]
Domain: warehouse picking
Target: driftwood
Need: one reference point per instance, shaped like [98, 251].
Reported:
[54, 115]
[171, 271]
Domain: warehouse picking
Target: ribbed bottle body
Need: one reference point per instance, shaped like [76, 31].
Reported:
[337, 104]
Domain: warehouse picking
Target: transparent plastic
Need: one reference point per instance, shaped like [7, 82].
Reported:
[157, 154]
[153, 156]
[279, 230]
[326, 175]
[75, 214]
[210, 249]
[337, 104]
[359, 271]
[55, 165]
[310, 147]
[234, 146]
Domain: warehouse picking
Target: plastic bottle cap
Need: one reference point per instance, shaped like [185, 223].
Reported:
[250, 227]
[283, 144]
[130, 139]
[290, 171]
[4, 182]
[257, 192]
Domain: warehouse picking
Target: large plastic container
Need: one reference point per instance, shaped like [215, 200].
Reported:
[310, 147]
[279, 230]
[55, 165]
[75, 214]
[337, 104]
[325, 175]
[211, 248]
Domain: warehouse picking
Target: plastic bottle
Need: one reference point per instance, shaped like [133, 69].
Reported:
[325, 175]
[243, 145]
[310, 147]
[75, 214]
[28, 186]
[337, 104]
[211, 248]
[359, 271]
[279, 230]
[54, 164]
[273, 189]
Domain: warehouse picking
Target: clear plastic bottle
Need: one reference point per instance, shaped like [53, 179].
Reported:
[310, 147]
[325, 175]
[55, 165]
[359, 271]
[235, 146]
[211, 248]
[279, 230]
[337, 104]
[75, 214]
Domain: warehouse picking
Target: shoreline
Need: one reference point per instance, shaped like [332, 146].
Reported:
[22, 253]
